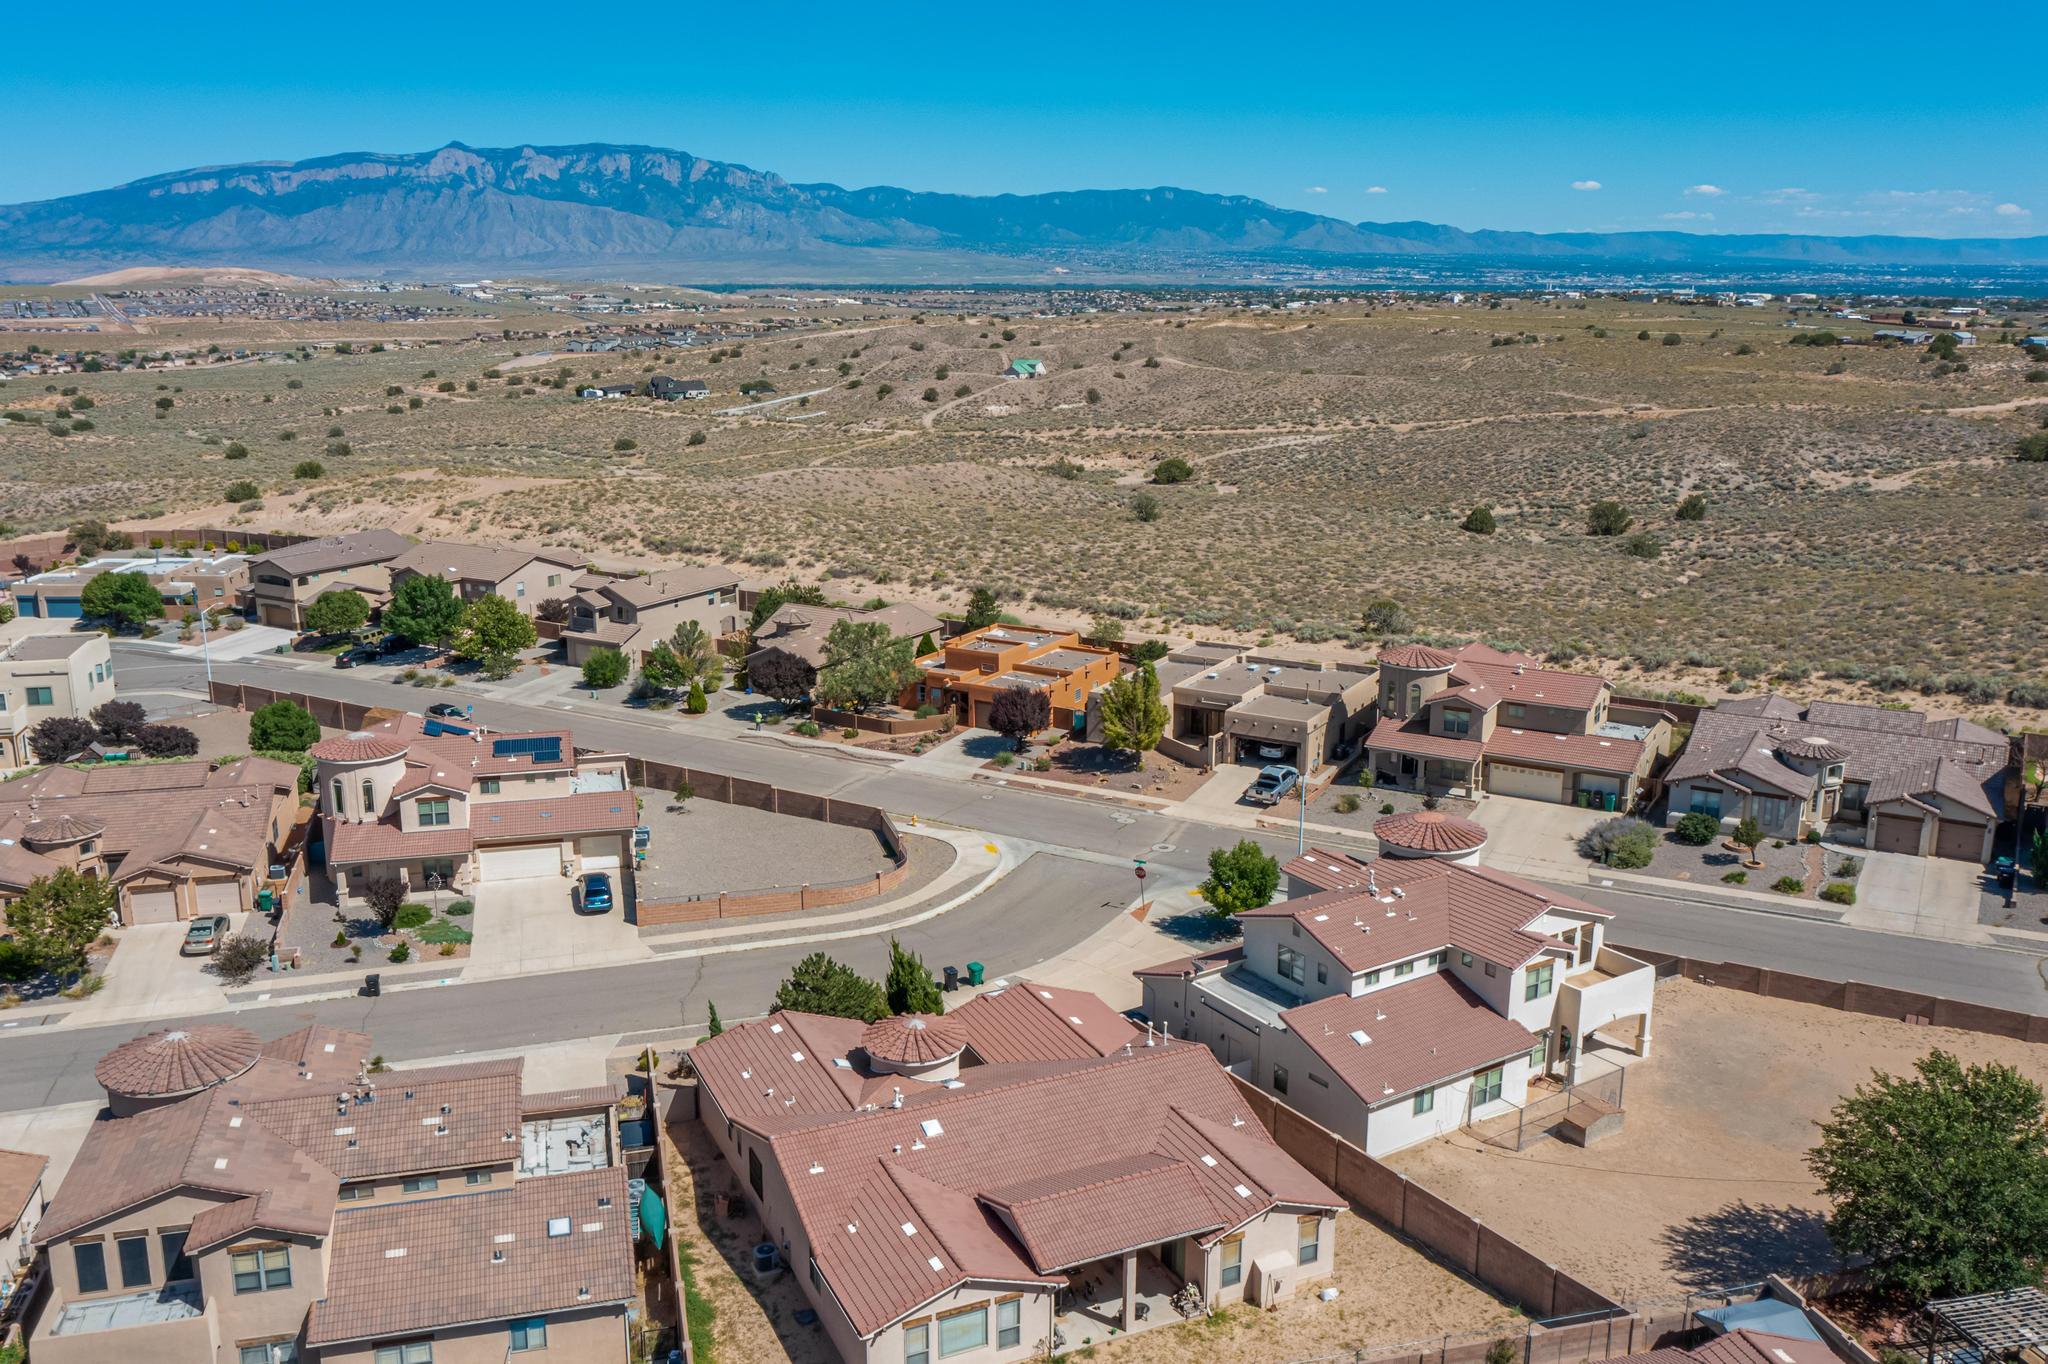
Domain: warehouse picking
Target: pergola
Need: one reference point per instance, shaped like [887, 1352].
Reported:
[1986, 1327]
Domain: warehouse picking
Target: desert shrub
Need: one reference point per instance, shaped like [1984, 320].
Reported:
[1672, 339]
[1642, 545]
[1173, 469]
[1693, 508]
[1607, 517]
[412, 915]
[1624, 842]
[1735, 878]
[239, 958]
[308, 469]
[1347, 804]
[1145, 507]
[1696, 830]
[1479, 521]
[1788, 885]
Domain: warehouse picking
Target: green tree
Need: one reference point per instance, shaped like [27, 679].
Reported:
[786, 593]
[662, 671]
[1479, 521]
[1133, 716]
[1172, 469]
[283, 727]
[982, 608]
[1693, 508]
[127, 599]
[492, 632]
[1748, 834]
[715, 1026]
[697, 703]
[91, 536]
[909, 987]
[697, 655]
[604, 668]
[1240, 878]
[2037, 858]
[1384, 617]
[864, 666]
[1607, 517]
[1940, 1181]
[926, 644]
[820, 985]
[1106, 629]
[58, 917]
[424, 610]
[337, 612]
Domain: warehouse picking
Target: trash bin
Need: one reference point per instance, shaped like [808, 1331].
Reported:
[974, 972]
[373, 985]
[266, 899]
[952, 979]
[1611, 798]
[1581, 797]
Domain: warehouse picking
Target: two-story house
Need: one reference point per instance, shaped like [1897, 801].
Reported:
[1402, 999]
[1893, 780]
[1476, 721]
[42, 676]
[526, 578]
[284, 582]
[1226, 703]
[246, 1202]
[177, 839]
[969, 672]
[1007, 1180]
[632, 615]
[447, 806]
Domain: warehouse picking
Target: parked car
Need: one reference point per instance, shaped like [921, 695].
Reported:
[446, 710]
[593, 893]
[354, 658]
[1272, 784]
[205, 936]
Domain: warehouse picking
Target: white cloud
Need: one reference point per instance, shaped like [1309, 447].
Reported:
[1706, 191]
[1687, 216]
[1789, 196]
[1317, 189]
[2012, 211]
[1585, 184]
[1376, 189]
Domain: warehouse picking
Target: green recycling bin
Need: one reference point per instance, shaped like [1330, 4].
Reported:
[974, 972]
[266, 899]
[1611, 798]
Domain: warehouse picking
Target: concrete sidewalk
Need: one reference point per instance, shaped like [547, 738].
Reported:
[1103, 962]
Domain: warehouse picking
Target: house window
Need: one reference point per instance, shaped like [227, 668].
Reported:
[1769, 810]
[1279, 1079]
[1322, 974]
[351, 1193]
[1491, 969]
[1293, 965]
[1456, 721]
[269, 1352]
[475, 1177]
[410, 1352]
[1537, 1053]
[1233, 1262]
[1372, 977]
[1706, 800]
[1414, 696]
[177, 1264]
[1515, 712]
[335, 802]
[754, 1171]
[420, 1184]
[369, 795]
[433, 813]
[917, 1344]
[554, 580]
[1308, 1240]
[1486, 1086]
[259, 1271]
[133, 1253]
[443, 867]
[963, 1331]
[89, 1260]
[817, 1275]
[1538, 984]
[489, 786]
[529, 1335]
[1438, 958]
[39, 696]
[1406, 968]
[519, 589]
[1316, 1079]
[1009, 1323]
[1465, 959]
[1425, 1101]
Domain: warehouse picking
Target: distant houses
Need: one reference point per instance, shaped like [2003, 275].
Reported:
[665, 389]
[1025, 369]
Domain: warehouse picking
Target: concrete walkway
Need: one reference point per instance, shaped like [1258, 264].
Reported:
[960, 757]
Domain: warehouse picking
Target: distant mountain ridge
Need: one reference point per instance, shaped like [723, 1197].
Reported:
[619, 209]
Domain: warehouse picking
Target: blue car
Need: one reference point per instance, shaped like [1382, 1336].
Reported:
[594, 893]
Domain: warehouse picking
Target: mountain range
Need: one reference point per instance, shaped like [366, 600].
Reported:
[654, 213]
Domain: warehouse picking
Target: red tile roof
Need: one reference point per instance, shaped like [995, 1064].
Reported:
[403, 1129]
[360, 747]
[384, 841]
[584, 813]
[1579, 752]
[20, 1173]
[1431, 831]
[1072, 1216]
[913, 1039]
[1417, 1034]
[177, 1060]
[1417, 656]
[1030, 1022]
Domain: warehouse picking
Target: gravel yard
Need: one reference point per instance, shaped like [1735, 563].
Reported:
[1712, 865]
[1368, 803]
[708, 847]
[1706, 1184]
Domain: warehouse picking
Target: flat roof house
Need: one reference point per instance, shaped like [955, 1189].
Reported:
[1893, 780]
[933, 1202]
[634, 614]
[1397, 1000]
[42, 676]
[176, 839]
[970, 671]
[58, 594]
[1228, 704]
[448, 806]
[283, 582]
[248, 1202]
[1474, 720]
[526, 578]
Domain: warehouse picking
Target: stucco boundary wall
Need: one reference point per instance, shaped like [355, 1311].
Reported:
[1850, 996]
[883, 724]
[42, 551]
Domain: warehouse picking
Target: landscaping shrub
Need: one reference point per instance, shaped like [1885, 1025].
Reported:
[1838, 893]
[1387, 808]
[1696, 830]
[1736, 878]
[1788, 885]
[401, 954]
[461, 907]
[808, 728]
[1347, 804]
[239, 958]
[1623, 842]
[17, 963]
[412, 915]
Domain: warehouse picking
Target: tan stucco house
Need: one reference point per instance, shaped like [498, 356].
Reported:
[525, 578]
[46, 675]
[283, 582]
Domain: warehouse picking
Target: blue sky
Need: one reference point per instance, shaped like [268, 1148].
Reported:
[1723, 118]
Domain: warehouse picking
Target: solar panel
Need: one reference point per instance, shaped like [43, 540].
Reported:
[542, 748]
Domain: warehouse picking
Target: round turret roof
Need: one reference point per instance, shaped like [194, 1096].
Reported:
[914, 1039]
[1430, 831]
[1812, 746]
[1417, 657]
[357, 748]
[178, 1061]
[54, 830]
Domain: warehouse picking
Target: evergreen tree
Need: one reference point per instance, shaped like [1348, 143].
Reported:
[820, 985]
[909, 987]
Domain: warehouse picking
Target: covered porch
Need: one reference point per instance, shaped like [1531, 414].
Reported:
[1117, 1295]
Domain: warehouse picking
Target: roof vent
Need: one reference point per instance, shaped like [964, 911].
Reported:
[397, 1254]
[931, 1128]
[816, 1168]
[1358, 1035]
[1243, 1192]
[558, 1226]
[497, 1257]
[936, 1263]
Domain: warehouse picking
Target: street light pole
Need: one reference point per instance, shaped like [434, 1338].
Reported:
[1301, 821]
[206, 651]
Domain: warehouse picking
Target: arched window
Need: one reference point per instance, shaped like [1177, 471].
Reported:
[1414, 697]
[369, 798]
[336, 802]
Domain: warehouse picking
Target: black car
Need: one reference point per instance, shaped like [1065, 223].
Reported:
[354, 658]
[445, 710]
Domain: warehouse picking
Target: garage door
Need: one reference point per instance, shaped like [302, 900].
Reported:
[601, 852]
[218, 897]
[153, 905]
[1895, 833]
[1958, 839]
[525, 859]
[279, 616]
[1535, 783]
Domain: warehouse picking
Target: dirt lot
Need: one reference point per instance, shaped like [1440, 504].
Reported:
[1707, 1184]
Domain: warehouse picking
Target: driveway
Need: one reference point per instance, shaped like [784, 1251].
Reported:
[527, 925]
[1534, 837]
[1927, 897]
[960, 756]
[146, 978]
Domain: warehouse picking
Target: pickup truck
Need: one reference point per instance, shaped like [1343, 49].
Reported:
[1272, 784]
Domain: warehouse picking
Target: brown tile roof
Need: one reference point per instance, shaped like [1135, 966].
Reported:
[568, 1100]
[913, 1039]
[61, 828]
[20, 1174]
[1432, 831]
[1418, 1034]
[191, 811]
[1762, 1347]
[753, 1070]
[178, 1060]
[1413, 738]
[1072, 1216]
[403, 1130]
[584, 813]
[1031, 1022]
[454, 561]
[383, 841]
[1417, 656]
[333, 552]
[356, 748]
[669, 584]
[477, 1258]
[1579, 752]
[1518, 677]
[800, 629]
